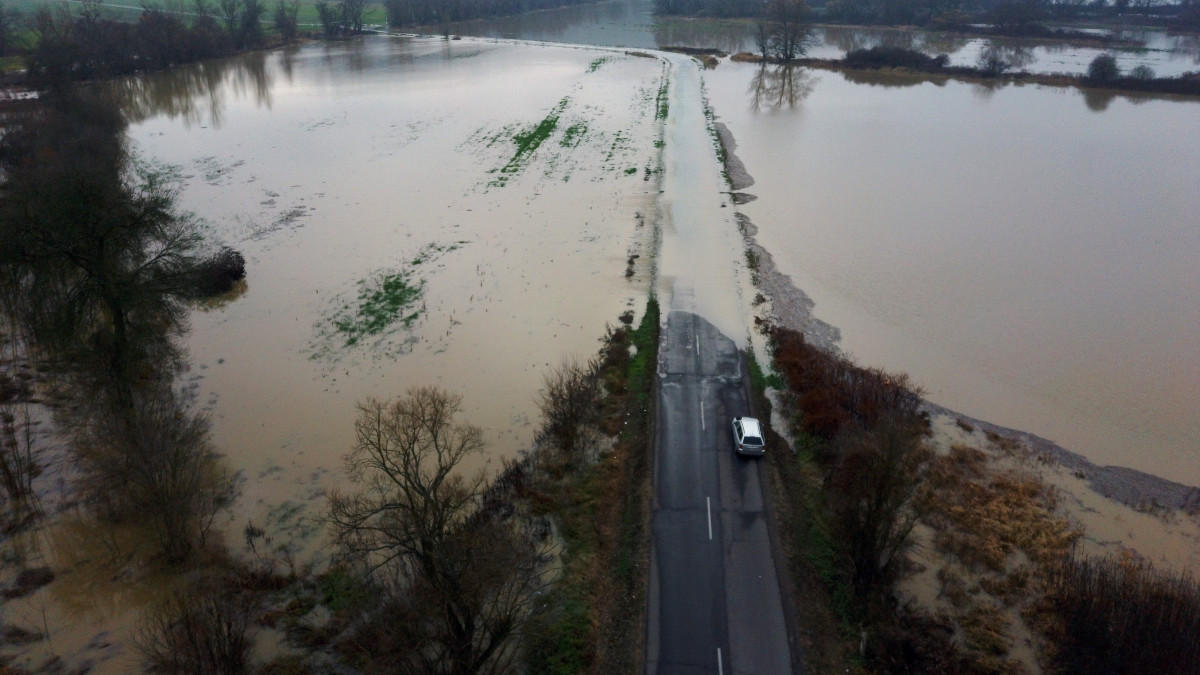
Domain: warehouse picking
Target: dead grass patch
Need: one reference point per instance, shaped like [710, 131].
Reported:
[996, 529]
[982, 519]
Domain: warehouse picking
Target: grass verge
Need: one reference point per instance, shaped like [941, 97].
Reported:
[593, 619]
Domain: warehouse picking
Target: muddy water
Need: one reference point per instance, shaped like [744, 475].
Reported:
[1029, 259]
[701, 263]
[360, 160]
[331, 167]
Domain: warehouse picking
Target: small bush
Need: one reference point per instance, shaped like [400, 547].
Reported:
[1103, 68]
[913, 643]
[202, 628]
[894, 57]
[219, 273]
[833, 392]
[1142, 72]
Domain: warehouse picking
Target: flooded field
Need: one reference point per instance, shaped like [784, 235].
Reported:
[468, 213]
[412, 212]
[1028, 255]
[397, 161]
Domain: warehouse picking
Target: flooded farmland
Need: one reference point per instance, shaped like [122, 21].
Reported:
[500, 195]
[394, 158]
[1028, 254]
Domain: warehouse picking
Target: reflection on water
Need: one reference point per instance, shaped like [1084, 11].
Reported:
[102, 578]
[730, 37]
[195, 93]
[885, 78]
[1015, 57]
[775, 87]
[198, 94]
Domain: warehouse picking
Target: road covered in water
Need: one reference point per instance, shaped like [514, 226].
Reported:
[714, 597]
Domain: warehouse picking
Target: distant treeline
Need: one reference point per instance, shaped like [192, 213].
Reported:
[1021, 18]
[412, 13]
[714, 8]
[87, 46]
[84, 44]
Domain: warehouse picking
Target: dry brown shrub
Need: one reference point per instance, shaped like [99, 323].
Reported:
[985, 628]
[965, 425]
[983, 522]
[1006, 444]
[1009, 588]
[954, 587]
[833, 392]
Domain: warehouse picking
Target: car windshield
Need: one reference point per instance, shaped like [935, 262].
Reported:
[752, 440]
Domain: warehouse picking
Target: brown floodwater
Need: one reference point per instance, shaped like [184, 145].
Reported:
[337, 165]
[1030, 255]
[337, 168]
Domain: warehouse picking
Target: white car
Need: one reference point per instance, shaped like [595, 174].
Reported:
[748, 436]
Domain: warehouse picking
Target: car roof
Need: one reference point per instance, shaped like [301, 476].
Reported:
[751, 426]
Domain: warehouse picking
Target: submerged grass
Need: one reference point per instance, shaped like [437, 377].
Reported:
[596, 63]
[573, 135]
[384, 303]
[381, 302]
[528, 142]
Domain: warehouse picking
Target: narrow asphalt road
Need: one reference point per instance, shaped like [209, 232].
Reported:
[714, 603]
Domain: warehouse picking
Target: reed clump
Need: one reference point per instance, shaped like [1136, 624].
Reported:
[1120, 616]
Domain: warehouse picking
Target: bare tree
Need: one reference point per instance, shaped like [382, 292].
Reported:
[18, 466]
[459, 580]
[568, 402]
[202, 628]
[150, 461]
[354, 12]
[764, 31]
[230, 10]
[788, 26]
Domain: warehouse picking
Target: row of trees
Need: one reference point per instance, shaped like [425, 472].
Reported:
[1006, 16]
[713, 8]
[96, 271]
[67, 46]
[417, 13]
[869, 437]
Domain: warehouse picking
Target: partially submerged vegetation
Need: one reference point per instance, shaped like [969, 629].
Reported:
[865, 485]
[1012, 18]
[385, 303]
[550, 567]
[993, 69]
